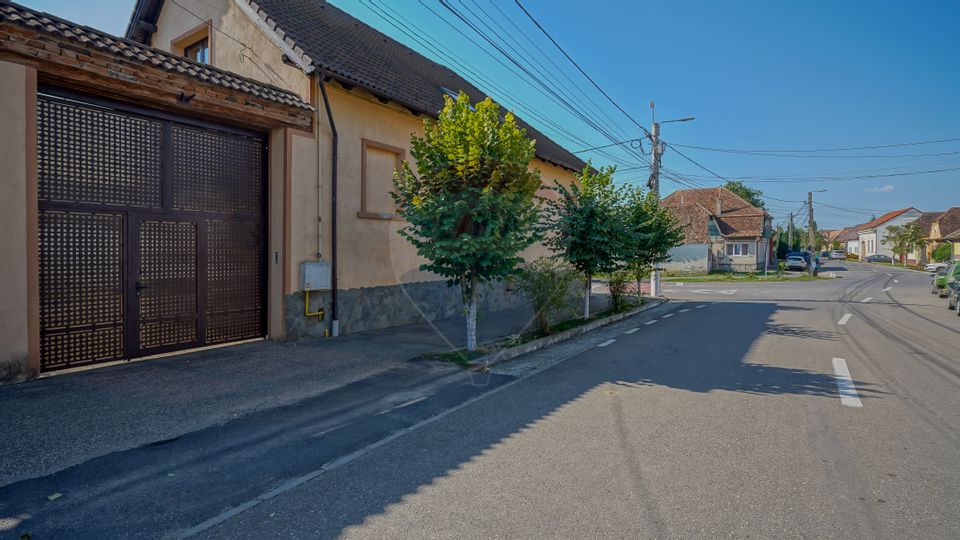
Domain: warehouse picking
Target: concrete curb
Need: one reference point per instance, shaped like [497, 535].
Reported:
[510, 353]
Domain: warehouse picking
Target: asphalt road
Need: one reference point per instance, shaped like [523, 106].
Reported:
[718, 414]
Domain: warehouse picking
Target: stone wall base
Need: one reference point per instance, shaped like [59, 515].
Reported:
[373, 308]
[13, 370]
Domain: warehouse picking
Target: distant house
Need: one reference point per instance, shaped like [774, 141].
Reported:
[872, 235]
[925, 222]
[946, 228]
[849, 240]
[721, 231]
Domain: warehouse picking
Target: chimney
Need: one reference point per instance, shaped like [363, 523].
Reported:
[719, 208]
[681, 198]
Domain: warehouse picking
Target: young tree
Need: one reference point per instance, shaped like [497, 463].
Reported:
[751, 195]
[653, 233]
[471, 209]
[586, 226]
[904, 238]
[546, 283]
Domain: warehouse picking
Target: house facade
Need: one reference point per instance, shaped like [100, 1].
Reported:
[721, 232]
[921, 255]
[946, 229]
[873, 235]
[220, 174]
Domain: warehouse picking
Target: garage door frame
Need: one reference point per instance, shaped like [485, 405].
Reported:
[132, 215]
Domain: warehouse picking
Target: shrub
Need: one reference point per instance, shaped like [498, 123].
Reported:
[781, 268]
[546, 283]
[619, 284]
[942, 253]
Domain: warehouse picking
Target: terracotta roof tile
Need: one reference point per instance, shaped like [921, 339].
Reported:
[883, 219]
[736, 217]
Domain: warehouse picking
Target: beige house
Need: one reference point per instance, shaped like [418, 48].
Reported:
[721, 232]
[186, 185]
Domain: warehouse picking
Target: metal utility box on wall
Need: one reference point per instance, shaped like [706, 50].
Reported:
[314, 276]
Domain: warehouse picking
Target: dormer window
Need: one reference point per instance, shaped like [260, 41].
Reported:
[198, 52]
[196, 44]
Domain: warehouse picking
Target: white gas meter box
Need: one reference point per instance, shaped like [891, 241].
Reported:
[314, 276]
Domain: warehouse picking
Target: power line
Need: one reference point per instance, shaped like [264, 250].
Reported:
[894, 145]
[584, 73]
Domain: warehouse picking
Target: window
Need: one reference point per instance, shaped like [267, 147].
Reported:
[738, 249]
[198, 52]
[195, 44]
[378, 161]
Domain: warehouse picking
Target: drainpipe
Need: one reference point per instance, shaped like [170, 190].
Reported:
[335, 321]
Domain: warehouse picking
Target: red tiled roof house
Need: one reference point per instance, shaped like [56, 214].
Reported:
[721, 231]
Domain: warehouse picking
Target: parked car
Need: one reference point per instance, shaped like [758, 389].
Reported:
[838, 254]
[879, 258]
[938, 285]
[934, 266]
[824, 257]
[796, 262]
[953, 296]
[804, 254]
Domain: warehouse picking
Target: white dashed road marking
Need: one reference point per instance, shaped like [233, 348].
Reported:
[896, 281]
[632, 330]
[867, 299]
[887, 289]
[701, 306]
[843, 320]
[648, 323]
[607, 342]
[684, 310]
[668, 315]
[845, 387]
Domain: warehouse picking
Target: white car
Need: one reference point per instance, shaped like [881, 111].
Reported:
[934, 266]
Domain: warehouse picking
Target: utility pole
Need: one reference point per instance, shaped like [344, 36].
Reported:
[654, 184]
[810, 234]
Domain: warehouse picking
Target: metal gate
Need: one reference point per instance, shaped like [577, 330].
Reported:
[151, 232]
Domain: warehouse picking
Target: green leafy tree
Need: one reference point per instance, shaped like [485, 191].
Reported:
[653, 233]
[471, 207]
[904, 238]
[942, 252]
[751, 195]
[586, 226]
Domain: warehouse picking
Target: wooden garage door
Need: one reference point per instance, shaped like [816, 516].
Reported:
[151, 232]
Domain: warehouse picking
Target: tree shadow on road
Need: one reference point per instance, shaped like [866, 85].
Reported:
[704, 351]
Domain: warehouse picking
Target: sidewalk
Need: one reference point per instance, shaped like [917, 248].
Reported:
[56, 422]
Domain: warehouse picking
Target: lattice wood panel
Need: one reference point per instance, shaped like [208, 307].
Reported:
[234, 292]
[96, 156]
[216, 172]
[81, 288]
[167, 300]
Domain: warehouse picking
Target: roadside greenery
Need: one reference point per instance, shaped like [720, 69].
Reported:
[942, 253]
[585, 226]
[546, 283]
[471, 209]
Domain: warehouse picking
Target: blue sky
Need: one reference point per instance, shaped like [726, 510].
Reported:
[757, 75]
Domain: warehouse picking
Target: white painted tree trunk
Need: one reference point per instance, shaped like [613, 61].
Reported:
[472, 316]
[586, 298]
